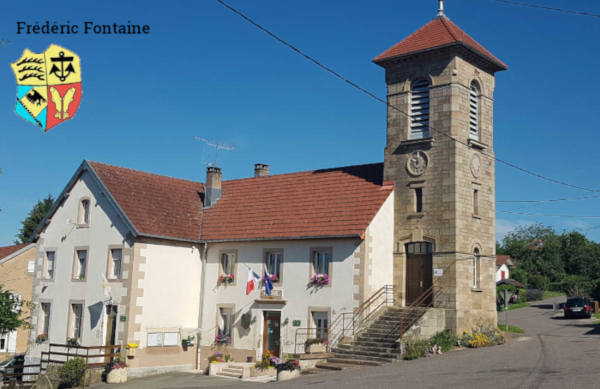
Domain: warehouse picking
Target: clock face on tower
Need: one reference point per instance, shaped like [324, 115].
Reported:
[417, 163]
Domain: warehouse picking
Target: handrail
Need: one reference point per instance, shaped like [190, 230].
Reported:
[306, 331]
[108, 352]
[420, 302]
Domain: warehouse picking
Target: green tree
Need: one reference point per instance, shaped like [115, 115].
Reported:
[35, 216]
[10, 312]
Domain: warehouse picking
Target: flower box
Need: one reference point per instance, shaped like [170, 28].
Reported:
[117, 376]
[320, 279]
[226, 278]
[316, 348]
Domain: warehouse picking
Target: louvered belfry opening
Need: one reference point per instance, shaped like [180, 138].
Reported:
[419, 109]
[474, 111]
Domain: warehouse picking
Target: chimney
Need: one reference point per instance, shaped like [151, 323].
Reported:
[212, 189]
[261, 170]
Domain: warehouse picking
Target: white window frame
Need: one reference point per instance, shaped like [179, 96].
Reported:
[226, 321]
[113, 263]
[83, 217]
[49, 265]
[419, 109]
[76, 322]
[45, 316]
[80, 268]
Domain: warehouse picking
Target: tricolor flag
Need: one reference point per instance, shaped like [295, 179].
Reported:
[251, 277]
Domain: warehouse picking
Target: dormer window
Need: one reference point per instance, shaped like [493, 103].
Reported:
[474, 111]
[84, 213]
[419, 109]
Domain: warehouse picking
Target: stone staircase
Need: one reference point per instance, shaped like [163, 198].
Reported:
[378, 344]
[231, 372]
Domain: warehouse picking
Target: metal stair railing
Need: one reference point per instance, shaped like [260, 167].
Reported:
[415, 311]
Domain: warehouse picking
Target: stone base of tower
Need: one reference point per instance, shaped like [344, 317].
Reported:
[466, 305]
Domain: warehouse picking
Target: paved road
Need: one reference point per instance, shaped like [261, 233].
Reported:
[554, 353]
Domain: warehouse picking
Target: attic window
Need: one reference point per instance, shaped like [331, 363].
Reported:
[419, 109]
[84, 213]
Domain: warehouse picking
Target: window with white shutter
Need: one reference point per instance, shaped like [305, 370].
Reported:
[474, 111]
[419, 109]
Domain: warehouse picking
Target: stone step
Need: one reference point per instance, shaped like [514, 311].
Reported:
[229, 375]
[361, 353]
[333, 366]
[367, 343]
[233, 370]
[364, 357]
[357, 347]
[378, 336]
[347, 361]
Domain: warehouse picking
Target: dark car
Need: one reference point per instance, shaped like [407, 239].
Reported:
[10, 366]
[578, 307]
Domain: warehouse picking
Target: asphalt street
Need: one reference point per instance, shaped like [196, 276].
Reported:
[553, 353]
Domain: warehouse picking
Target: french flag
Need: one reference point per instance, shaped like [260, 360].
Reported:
[251, 277]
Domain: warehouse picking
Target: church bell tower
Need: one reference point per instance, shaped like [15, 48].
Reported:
[439, 152]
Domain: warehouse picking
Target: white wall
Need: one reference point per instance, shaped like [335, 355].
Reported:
[171, 288]
[298, 295]
[380, 247]
[500, 270]
[62, 235]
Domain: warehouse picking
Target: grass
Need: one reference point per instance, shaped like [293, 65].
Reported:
[597, 316]
[518, 305]
[548, 294]
[511, 328]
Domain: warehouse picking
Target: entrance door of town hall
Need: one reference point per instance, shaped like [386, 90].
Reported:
[271, 332]
[419, 270]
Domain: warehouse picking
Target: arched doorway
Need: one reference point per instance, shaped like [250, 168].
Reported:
[419, 270]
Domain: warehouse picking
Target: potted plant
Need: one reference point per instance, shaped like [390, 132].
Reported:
[315, 345]
[320, 279]
[288, 370]
[131, 347]
[226, 278]
[72, 342]
[222, 339]
[116, 372]
[188, 342]
[272, 277]
[41, 338]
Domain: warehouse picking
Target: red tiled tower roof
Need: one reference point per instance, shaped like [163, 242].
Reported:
[439, 32]
[330, 202]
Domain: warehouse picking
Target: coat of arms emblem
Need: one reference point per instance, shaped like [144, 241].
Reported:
[48, 86]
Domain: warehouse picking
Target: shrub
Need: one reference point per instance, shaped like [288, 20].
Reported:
[595, 292]
[445, 340]
[534, 294]
[577, 286]
[481, 336]
[538, 281]
[72, 372]
[555, 287]
[415, 348]
[519, 274]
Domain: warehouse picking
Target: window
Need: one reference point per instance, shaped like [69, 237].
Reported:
[419, 109]
[321, 324]
[225, 323]
[321, 261]
[76, 320]
[49, 261]
[476, 268]
[419, 248]
[419, 200]
[475, 202]
[84, 212]
[116, 260]
[228, 263]
[79, 270]
[273, 260]
[44, 323]
[30, 266]
[474, 111]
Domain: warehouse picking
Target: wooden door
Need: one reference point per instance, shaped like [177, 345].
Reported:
[111, 328]
[419, 270]
[271, 332]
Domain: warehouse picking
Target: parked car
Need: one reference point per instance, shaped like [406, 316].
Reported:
[12, 365]
[578, 307]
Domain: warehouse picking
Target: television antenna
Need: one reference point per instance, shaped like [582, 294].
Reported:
[217, 145]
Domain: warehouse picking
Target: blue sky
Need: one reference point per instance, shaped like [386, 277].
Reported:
[202, 71]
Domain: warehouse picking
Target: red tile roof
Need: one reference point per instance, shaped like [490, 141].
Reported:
[438, 32]
[8, 250]
[502, 259]
[156, 205]
[331, 202]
